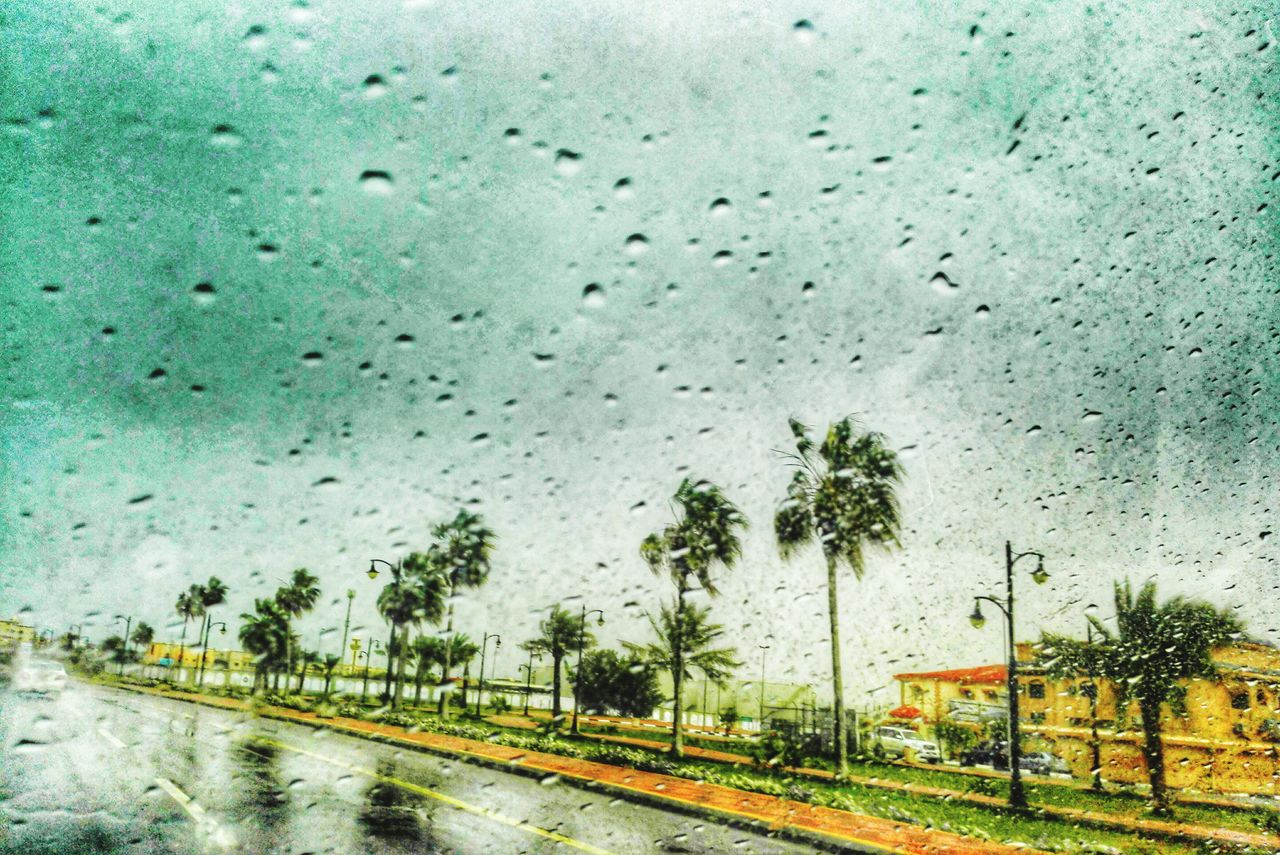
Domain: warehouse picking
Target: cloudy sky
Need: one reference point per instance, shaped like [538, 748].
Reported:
[285, 285]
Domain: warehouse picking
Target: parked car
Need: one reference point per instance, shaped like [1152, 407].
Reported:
[993, 753]
[40, 676]
[901, 742]
[1044, 763]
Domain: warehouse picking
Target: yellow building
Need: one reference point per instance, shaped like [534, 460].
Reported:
[14, 633]
[1227, 740]
[166, 653]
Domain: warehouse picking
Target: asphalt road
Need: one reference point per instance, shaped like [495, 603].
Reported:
[104, 771]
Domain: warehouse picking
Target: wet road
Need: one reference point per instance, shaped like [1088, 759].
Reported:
[99, 770]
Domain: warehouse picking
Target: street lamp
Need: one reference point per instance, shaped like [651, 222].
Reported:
[374, 647]
[74, 637]
[124, 654]
[1017, 795]
[582, 631]
[391, 645]
[763, 652]
[204, 651]
[483, 644]
[346, 625]
[528, 678]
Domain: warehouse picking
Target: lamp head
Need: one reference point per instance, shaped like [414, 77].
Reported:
[977, 618]
[1038, 574]
[373, 570]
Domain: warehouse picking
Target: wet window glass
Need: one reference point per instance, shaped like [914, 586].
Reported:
[621, 427]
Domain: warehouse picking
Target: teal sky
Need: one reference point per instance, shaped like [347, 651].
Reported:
[282, 286]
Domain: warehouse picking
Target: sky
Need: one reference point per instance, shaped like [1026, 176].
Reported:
[285, 285]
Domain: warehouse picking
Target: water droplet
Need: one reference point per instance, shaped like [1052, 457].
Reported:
[376, 182]
[404, 340]
[943, 284]
[374, 86]
[312, 357]
[225, 136]
[203, 293]
[1033, 430]
[142, 499]
[593, 296]
[568, 162]
[720, 207]
[51, 288]
[1091, 416]
[622, 189]
[158, 374]
[267, 252]
[636, 244]
[983, 311]
[803, 30]
[721, 258]
[256, 37]
[511, 135]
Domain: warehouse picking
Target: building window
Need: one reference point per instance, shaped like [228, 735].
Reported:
[1036, 690]
[1239, 700]
[1037, 718]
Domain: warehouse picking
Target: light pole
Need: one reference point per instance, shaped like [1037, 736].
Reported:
[528, 679]
[764, 649]
[1091, 692]
[364, 687]
[483, 644]
[346, 625]
[582, 632]
[204, 647]
[1017, 796]
[222, 630]
[391, 645]
[74, 637]
[124, 654]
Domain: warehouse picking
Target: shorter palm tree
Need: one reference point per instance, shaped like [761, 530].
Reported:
[189, 608]
[559, 638]
[688, 640]
[264, 632]
[295, 599]
[426, 652]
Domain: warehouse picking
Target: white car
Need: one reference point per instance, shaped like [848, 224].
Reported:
[901, 742]
[40, 676]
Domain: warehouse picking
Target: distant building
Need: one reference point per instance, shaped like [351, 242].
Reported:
[1227, 738]
[166, 653]
[14, 633]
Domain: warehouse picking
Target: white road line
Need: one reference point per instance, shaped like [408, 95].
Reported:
[111, 737]
[205, 823]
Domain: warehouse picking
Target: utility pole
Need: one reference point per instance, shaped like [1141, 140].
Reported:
[346, 624]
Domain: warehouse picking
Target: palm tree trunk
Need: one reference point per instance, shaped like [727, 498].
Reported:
[182, 648]
[1153, 753]
[417, 684]
[555, 686]
[448, 663]
[837, 673]
[677, 677]
[466, 679]
[204, 620]
[404, 649]
[288, 655]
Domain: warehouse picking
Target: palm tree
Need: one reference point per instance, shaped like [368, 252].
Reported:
[462, 554]
[686, 640]
[559, 638]
[399, 603]
[295, 599]
[143, 634]
[461, 651]
[305, 659]
[704, 534]
[211, 593]
[264, 633]
[842, 496]
[426, 651]
[1153, 648]
[430, 587]
[188, 608]
[331, 661]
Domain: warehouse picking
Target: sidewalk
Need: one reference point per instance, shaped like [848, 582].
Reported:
[776, 814]
[1093, 818]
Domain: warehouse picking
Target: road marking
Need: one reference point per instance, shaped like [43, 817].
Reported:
[111, 737]
[219, 835]
[449, 800]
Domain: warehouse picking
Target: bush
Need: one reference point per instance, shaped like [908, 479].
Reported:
[499, 704]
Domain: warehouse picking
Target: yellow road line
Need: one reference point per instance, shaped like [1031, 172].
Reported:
[441, 797]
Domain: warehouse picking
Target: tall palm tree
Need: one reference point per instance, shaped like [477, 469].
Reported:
[705, 534]
[430, 593]
[295, 599]
[188, 608]
[426, 651]
[462, 553]
[401, 603]
[462, 651]
[1153, 648]
[142, 636]
[558, 638]
[264, 633]
[842, 495]
[211, 593]
[687, 639]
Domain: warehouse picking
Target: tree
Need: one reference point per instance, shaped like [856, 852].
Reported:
[559, 638]
[462, 553]
[188, 608]
[426, 652]
[143, 635]
[462, 650]
[211, 593]
[610, 683]
[686, 640]
[1152, 650]
[842, 495]
[729, 718]
[330, 663]
[705, 534]
[264, 632]
[418, 596]
[295, 599]
[305, 659]
[115, 649]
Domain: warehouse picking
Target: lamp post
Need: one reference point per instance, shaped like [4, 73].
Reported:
[204, 647]
[391, 645]
[124, 653]
[74, 637]
[222, 630]
[528, 679]
[483, 644]
[764, 648]
[1091, 692]
[346, 625]
[1017, 795]
[582, 632]
[364, 687]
